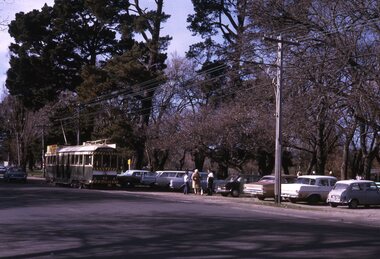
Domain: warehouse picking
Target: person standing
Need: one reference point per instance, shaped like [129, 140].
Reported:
[186, 187]
[196, 177]
[210, 182]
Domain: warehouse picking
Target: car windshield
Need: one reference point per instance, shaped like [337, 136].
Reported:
[267, 179]
[16, 170]
[340, 186]
[232, 178]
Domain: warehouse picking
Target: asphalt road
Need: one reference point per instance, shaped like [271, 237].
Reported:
[41, 221]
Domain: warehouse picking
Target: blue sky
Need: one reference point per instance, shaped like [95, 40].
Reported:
[175, 27]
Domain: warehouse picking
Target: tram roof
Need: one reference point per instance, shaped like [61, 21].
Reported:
[84, 148]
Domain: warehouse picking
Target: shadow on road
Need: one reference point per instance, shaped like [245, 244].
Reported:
[129, 226]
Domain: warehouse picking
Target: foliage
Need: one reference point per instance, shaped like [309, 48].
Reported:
[106, 62]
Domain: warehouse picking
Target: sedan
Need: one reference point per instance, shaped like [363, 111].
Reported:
[231, 185]
[264, 188]
[353, 193]
[16, 174]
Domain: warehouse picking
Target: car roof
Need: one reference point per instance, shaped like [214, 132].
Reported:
[315, 176]
[283, 175]
[173, 171]
[351, 181]
[132, 171]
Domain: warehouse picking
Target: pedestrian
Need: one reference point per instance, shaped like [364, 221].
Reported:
[210, 182]
[196, 177]
[186, 185]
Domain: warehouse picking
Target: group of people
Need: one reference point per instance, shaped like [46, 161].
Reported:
[196, 182]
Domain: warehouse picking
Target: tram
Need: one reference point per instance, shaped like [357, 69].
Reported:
[95, 163]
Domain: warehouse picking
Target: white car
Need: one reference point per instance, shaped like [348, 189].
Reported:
[353, 193]
[310, 188]
[163, 178]
[178, 184]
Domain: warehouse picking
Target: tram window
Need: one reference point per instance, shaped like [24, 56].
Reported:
[60, 160]
[65, 159]
[81, 160]
[87, 159]
[72, 159]
[97, 160]
[106, 161]
[113, 161]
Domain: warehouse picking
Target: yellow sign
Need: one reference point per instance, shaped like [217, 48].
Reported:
[129, 161]
[52, 149]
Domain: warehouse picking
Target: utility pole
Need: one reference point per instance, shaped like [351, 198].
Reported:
[278, 148]
[78, 125]
[18, 149]
[43, 150]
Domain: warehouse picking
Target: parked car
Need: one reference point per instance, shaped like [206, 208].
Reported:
[231, 185]
[177, 184]
[16, 174]
[148, 178]
[264, 188]
[354, 193]
[164, 177]
[3, 169]
[310, 188]
[131, 178]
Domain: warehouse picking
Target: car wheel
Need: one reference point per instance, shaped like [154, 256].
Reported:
[353, 204]
[313, 199]
[261, 198]
[235, 193]
[292, 200]
[333, 205]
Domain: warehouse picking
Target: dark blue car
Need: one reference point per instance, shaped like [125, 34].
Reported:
[15, 174]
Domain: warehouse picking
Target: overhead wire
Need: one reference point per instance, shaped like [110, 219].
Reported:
[153, 84]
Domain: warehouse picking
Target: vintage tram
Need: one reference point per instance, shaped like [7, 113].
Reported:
[95, 163]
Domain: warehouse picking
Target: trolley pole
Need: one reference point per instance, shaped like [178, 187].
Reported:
[78, 125]
[278, 148]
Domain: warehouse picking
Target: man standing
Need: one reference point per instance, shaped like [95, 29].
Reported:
[186, 185]
[210, 182]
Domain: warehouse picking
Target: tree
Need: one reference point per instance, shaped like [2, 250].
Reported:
[137, 71]
[323, 72]
[222, 25]
[51, 47]
[23, 129]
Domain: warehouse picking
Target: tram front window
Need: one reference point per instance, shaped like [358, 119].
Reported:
[105, 161]
[114, 161]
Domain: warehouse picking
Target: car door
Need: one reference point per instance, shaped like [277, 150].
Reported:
[370, 194]
[324, 187]
[356, 192]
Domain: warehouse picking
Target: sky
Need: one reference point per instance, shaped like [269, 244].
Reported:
[175, 27]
